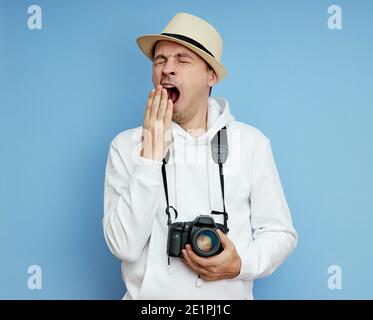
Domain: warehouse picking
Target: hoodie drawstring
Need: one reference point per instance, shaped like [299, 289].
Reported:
[175, 171]
[198, 281]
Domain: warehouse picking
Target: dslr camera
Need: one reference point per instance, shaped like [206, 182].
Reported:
[201, 234]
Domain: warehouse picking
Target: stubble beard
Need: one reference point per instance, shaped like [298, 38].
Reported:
[178, 116]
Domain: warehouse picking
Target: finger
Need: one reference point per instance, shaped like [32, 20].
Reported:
[167, 123]
[148, 107]
[209, 278]
[158, 139]
[194, 267]
[212, 262]
[225, 241]
[146, 147]
[145, 130]
[194, 264]
[169, 112]
[203, 262]
[163, 105]
[155, 104]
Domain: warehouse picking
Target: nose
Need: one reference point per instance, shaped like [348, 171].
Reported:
[169, 68]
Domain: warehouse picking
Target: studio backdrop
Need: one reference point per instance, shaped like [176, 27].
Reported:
[72, 78]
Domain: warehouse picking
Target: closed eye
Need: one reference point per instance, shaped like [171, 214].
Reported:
[159, 62]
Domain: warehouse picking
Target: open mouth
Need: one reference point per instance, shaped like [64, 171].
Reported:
[173, 92]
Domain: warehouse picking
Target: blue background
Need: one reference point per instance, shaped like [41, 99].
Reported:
[68, 89]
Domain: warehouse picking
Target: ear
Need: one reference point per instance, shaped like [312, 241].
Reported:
[212, 78]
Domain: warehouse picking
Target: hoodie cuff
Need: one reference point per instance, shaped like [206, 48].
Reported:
[149, 161]
[148, 171]
[248, 266]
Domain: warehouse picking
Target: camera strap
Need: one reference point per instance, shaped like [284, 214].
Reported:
[165, 160]
[219, 150]
[164, 177]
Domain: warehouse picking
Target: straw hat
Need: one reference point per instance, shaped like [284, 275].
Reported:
[195, 34]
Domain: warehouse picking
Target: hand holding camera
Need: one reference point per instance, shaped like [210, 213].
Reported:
[204, 247]
[226, 265]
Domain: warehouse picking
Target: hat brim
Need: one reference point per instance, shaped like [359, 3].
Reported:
[147, 42]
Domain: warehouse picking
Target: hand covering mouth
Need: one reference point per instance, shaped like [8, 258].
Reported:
[172, 91]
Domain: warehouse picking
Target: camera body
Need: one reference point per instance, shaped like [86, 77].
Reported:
[201, 234]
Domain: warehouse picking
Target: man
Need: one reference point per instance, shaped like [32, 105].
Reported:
[180, 122]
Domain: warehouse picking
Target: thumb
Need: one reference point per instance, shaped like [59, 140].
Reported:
[225, 241]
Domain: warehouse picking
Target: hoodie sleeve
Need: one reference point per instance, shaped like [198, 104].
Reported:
[130, 203]
[273, 232]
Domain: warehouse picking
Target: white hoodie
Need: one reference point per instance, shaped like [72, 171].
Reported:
[135, 222]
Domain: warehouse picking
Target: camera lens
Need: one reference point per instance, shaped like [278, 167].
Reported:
[206, 242]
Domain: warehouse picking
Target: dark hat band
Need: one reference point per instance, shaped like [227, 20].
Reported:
[189, 40]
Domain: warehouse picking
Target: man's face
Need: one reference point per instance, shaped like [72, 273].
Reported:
[185, 75]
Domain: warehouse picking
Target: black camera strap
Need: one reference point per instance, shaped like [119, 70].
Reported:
[219, 148]
[164, 177]
[165, 160]
[220, 151]
[221, 173]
